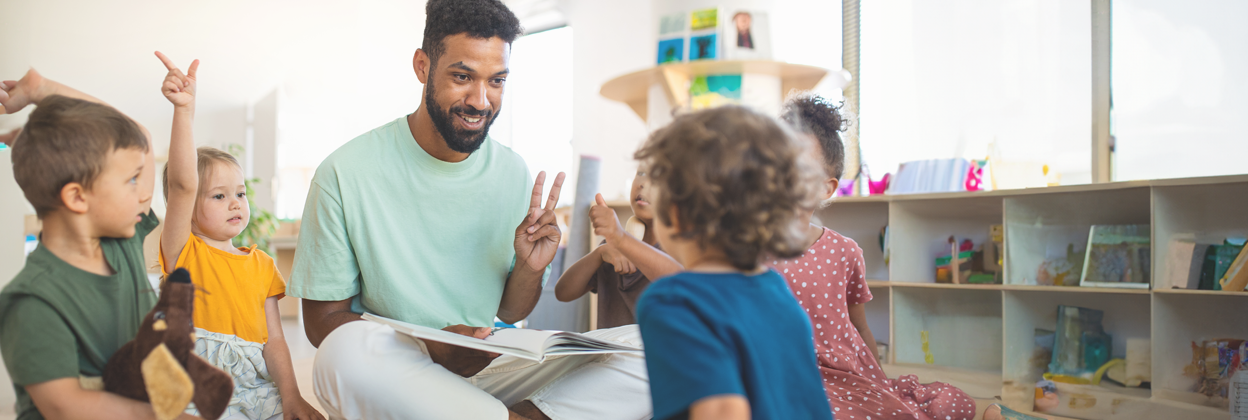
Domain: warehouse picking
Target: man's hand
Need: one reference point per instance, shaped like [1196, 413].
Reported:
[15, 95]
[606, 223]
[612, 256]
[179, 88]
[537, 237]
[461, 361]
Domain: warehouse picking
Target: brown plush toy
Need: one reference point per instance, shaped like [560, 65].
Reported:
[160, 365]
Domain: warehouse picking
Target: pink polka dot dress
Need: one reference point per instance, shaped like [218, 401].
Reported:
[826, 280]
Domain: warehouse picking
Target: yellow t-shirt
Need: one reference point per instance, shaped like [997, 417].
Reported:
[233, 288]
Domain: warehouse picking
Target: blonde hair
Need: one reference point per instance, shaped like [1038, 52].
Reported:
[206, 157]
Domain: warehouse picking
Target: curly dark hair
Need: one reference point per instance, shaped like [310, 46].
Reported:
[477, 18]
[737, 179]
[813, 114]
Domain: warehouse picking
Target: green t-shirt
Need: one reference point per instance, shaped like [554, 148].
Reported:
[409, 236]
[58, 321]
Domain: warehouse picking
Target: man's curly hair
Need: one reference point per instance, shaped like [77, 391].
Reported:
[737, 180]
[813, 114]
[478, 18]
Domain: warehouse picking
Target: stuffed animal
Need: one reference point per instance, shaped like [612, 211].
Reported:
[160, 365]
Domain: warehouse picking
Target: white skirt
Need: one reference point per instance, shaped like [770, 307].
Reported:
[255, 394]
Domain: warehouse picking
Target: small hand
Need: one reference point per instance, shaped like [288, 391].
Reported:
[606, 223]
[537, 237]
[621, 263]
[15, 95]
[178, 88]
[459, 360]
[299, 410]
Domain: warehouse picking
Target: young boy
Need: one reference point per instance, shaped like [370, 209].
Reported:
[88, 171]
[725, 339]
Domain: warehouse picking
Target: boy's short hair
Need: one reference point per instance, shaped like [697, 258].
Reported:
[478, 18]
[205, 157]
[812, 114]
[68, 140]
[738, 180]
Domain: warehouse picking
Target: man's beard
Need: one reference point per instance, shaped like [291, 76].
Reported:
[459, 140]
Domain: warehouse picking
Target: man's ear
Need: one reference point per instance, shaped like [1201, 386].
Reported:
[74, 196]
[421, 64]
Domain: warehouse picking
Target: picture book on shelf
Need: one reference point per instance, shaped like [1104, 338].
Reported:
[528, 344]
[672, 35]
[704, 34]
[707, 92]
[1117, 256]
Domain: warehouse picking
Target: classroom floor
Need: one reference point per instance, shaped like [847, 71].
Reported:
[301, 353]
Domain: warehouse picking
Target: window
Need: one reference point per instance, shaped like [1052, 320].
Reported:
[536, 119]
[961, 78]
[1180, 99]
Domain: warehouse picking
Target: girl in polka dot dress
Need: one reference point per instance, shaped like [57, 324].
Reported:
[829, 284]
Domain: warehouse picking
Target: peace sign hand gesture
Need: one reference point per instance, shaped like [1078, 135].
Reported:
[178, 88]
[537, 237]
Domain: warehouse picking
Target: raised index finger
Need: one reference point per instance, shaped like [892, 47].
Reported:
[536, 200]
[554, 192]
[168, 63]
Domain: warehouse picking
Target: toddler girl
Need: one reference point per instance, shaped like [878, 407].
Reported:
[238, 327]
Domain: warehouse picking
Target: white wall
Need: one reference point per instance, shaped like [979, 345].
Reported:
[345, 67]
[612, 38]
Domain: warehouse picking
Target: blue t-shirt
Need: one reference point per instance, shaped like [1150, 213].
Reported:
[717, 334]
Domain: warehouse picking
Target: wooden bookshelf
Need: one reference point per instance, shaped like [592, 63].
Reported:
[633, 88]
[986, 332]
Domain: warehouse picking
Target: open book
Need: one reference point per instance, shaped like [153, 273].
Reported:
[534, 345]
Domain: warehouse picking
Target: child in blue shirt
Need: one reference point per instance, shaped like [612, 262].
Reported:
[725, 339]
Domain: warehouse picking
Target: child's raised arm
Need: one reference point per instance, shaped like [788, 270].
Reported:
[183, 175]
[653, 263]
[32, 89]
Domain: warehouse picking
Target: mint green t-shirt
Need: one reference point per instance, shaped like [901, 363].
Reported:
[411, 237]
[58, 321]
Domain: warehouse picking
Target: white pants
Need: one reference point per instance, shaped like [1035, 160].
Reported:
[365, 370]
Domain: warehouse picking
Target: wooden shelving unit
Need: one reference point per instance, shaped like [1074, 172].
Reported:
[634, 88]
[986, 333]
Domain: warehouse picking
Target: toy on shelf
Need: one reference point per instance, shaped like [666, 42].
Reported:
[1214, 363]
[1081, 345]
[927, 348]
[982, 266]
[1064, 270]
[1046, 396]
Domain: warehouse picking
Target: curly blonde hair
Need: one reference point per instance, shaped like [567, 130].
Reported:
[737, 181]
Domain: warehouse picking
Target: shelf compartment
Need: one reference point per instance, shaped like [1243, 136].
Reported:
[1180, 319]
[964, 327]
[862, 222]
[919, 230]
[1025, 310]
[1201, 213]
[1040, 226]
